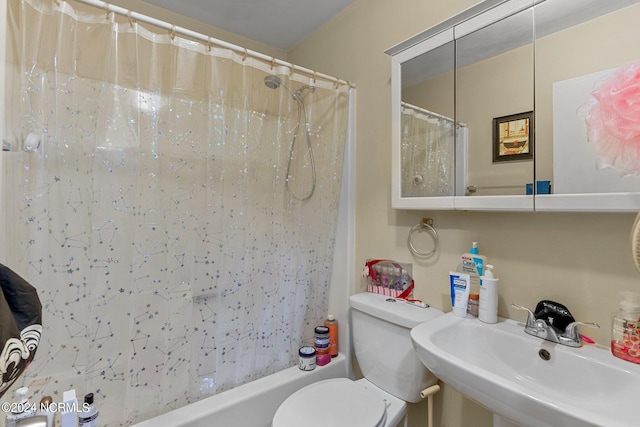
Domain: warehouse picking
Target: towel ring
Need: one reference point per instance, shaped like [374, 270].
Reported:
[425, 225]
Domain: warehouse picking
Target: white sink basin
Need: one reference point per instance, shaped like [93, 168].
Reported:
[499, 366]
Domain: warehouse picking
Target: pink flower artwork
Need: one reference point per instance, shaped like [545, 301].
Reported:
[612, 116]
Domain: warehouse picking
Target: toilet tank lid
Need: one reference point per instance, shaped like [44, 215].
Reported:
[392, 310]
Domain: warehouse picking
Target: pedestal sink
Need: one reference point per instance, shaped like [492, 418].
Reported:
[529, 381]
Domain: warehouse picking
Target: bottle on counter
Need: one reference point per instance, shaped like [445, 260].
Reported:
[88, 416]
[625, 328]
[21, 410]
[473, 264]
[473, 304]
[321, 340]
[488, 304]
[332, 324]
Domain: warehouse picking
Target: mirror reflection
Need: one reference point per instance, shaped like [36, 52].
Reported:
[427, 124]
[523, 105]
[587, 85]
[494, 98]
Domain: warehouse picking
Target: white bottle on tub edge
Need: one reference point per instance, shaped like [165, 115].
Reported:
[488, 309]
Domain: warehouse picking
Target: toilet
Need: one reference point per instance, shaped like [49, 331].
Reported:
[393, 374]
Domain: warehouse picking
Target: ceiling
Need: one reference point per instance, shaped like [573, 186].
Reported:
[278, 23]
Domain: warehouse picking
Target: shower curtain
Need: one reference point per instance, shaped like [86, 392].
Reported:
[146, 202]
[427, 153]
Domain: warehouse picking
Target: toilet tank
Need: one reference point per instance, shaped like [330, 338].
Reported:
[383, 347]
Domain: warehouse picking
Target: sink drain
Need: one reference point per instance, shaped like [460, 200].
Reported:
[544, 354]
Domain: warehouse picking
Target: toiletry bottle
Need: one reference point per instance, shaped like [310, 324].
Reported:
[88, 416]
[47, 410]
[332, 324]
[68, 414]
[460, 284]
[472, 263]
[321, 340]
[397, 279]
[404, 282]
[20, 410]
[488, 309]
[307, 358]
[378, 273]
[473, 304]
[384, 277]
[625, 331]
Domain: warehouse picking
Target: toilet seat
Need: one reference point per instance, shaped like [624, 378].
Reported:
[333, 402]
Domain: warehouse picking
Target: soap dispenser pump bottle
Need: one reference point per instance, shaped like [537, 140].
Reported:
[488, 309]
[473, 264]
[21, 410]
[625, 328]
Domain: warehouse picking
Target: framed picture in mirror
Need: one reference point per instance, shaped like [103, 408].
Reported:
[513, 137]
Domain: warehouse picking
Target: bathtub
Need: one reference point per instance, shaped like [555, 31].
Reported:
[249, 405]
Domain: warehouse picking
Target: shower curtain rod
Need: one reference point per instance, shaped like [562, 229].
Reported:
[174, 29]
[429, 113]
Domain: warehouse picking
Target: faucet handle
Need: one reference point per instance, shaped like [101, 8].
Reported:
[531, 318]
[571, 331]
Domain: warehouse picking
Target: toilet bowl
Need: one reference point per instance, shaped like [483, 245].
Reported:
[393, 374]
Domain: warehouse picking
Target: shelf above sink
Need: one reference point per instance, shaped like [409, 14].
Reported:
[527, 380]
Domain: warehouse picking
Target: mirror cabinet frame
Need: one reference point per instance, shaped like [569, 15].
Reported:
[468, 21]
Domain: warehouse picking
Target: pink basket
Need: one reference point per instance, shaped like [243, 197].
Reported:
[398, 284]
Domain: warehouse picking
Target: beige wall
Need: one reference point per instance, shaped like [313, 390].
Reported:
[581, 260]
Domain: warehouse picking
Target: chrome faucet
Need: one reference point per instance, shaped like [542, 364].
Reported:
[541, 329]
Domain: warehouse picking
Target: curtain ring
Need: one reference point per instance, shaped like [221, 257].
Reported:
[291, 70]
[57, 3]
[131, 20]
[244, 58]
[314, 77]
[107, 11]
[425, 225]
[273, 62]
[209, 44]
[337, 83]
[173, 32]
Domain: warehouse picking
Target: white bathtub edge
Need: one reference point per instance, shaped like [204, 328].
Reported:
[262, 396]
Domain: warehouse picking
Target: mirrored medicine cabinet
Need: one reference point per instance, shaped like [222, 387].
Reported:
[509, 106]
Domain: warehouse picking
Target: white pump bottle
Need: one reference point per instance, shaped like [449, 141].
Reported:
[488, 308]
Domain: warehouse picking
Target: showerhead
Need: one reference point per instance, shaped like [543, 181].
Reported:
[272, 82]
